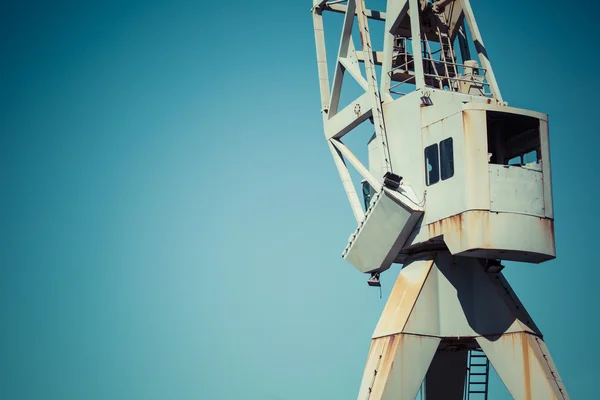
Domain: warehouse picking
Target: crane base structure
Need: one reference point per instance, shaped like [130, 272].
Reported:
[443, 312]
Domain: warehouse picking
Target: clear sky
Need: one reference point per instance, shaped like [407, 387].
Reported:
[172, 221]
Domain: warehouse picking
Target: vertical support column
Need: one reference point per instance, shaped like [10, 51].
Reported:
[338, 74]
[546, 168]
[378, 120]
[395, 12]
[483, 56]
[415, 28]
[321, 61]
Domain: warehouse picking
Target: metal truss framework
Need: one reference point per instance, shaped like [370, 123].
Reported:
[368, 106]
[446, 308]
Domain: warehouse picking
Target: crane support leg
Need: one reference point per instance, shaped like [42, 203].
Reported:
[442, 307]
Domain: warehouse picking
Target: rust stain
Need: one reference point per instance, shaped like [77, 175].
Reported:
[466, 122]
[526, 366]
[451, 226]
[384, 363]
[464, 226]
[401, 302]
[489, 101]
[548, 227]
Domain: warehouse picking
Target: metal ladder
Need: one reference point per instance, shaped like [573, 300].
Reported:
[448, 57]
[478, 373]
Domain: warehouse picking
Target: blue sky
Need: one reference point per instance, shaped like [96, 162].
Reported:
[173, 221]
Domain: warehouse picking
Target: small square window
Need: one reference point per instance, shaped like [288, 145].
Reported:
[447, 158]
[432, 167]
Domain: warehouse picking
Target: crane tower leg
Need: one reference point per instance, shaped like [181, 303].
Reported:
[442, 307]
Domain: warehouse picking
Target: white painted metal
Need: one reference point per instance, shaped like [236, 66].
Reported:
[452, 299]
[348, 184]
[376, 242]
[483, 56]
[396, 367]
[378, 122]
[415, 28]
[523, 362]
[442, 130]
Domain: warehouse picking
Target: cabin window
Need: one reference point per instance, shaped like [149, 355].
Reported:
[432, 167]
[446, 159]
[512, 139]
[367, 194]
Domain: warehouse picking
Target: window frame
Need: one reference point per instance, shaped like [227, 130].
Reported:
[443, 154]
[434, 168]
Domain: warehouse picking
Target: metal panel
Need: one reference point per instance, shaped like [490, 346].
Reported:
[477, 181]
[524, 364]
[547, 169]
[380, 237]
[402, 298]
[506, 236]
[458, 299]
[397, 366]
[446, 104]
[403, 123]
[516, 189]
[447, 197]
[505, 109]
[513, 302]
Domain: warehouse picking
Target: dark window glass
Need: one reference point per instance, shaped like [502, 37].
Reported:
[367, 194]
[432, 166]
[447, 158]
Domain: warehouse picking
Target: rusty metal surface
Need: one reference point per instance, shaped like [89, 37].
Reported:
[459, 299]
[524, 364]
[492, 235]
[475, 210]
[440, 296]
[402, 298]
[476, 184]
[518, 189]
[396, 367]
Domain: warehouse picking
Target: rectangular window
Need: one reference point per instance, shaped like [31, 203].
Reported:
[447, 158]
[432, 167]
[367, 194]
